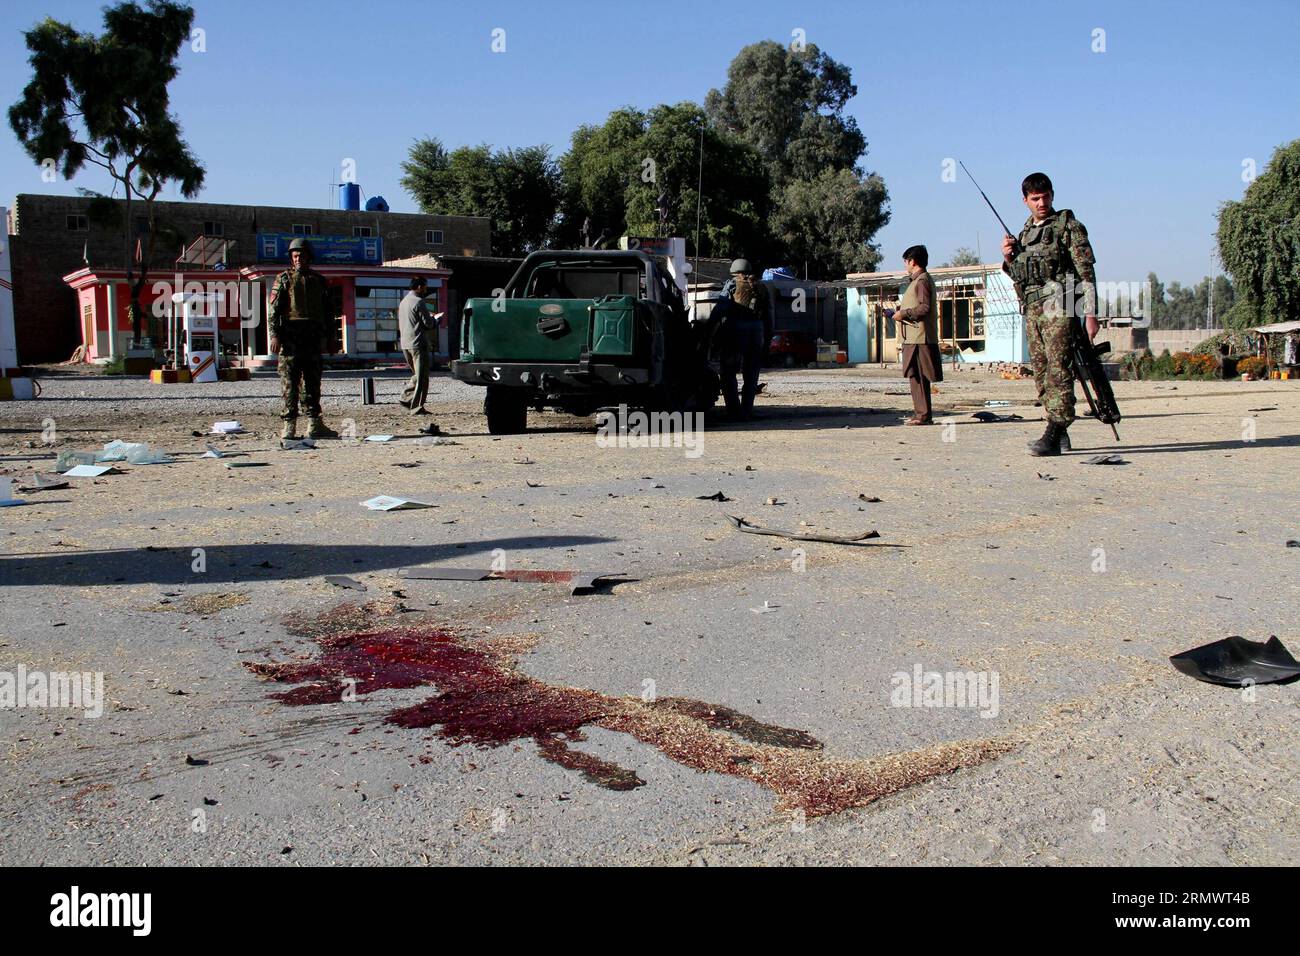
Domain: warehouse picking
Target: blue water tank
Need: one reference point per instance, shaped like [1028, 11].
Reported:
[349, 196]
[376, 204]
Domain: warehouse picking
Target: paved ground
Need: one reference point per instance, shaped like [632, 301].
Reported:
[662, 719]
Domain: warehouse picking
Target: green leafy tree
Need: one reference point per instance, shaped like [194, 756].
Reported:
[518, 189]
[789, 106]
[103, 100]
[1259, 243]
[822, 222]
[639, 174]
[964, 256]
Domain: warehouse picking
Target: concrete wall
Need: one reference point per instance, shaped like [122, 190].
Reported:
[44, 250]
[1175, 340]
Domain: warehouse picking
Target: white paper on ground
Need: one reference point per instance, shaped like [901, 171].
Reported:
[89, 471]
[226, 428]
[379, 438]
[390, 503]
[211, 452]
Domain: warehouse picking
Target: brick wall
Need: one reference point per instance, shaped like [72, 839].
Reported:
[44, 250]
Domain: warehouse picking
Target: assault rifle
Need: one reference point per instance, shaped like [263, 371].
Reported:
[1085, 355]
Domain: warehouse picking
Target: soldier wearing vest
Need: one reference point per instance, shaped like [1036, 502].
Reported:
[299, 326]
[919, 315]
[1054, 271]
[744, 334]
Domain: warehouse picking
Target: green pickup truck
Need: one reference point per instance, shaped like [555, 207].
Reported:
[583, 330]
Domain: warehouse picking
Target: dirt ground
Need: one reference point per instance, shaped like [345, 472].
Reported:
[730, 699]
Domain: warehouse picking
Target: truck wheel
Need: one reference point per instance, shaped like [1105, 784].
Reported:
[506, 410]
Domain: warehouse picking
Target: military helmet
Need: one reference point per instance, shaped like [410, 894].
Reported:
[741, 265]
[300, 245]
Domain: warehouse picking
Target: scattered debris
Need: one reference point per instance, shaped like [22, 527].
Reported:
[996, 403]
[391, 503]
[195, 761]
[523, 461]
[296, 444]
[43, 483]
[437, 440]
[773, 501]
[718, 496]
[533, 484]
[245, 464]
[1046, 477]
[5, 501]
[740, 524]
[137, 453]
[343, 581]
[988, 417]
[767, 608]
[431, 429]
[1266, 408]
[212, 451]
[378, 438]
[1293, 544]
[227, 428]
[869, 499]
[1105, 460]
[407, 464]
[90, 471]
[1237, 662]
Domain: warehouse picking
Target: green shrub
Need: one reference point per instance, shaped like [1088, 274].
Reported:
[115, 366]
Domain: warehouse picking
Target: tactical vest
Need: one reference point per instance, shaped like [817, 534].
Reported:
[307, 296]
[1045, 254]
[927, 330]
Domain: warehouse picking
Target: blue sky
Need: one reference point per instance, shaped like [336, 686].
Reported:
[1143, 141]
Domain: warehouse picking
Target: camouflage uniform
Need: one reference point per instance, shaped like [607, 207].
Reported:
[299, 318]
[1054, 272]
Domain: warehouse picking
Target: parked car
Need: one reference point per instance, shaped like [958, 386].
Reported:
[792, 348]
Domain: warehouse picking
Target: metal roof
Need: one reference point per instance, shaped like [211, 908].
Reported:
[1277, 327]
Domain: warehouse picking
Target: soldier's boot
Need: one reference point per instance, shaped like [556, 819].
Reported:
[320, 430]
[1050, 443]
[1065, 441]
[290, 429]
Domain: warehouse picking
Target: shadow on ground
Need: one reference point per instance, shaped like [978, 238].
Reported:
[250, 563]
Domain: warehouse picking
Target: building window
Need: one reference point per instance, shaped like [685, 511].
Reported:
[433, 237]
[78, 224]
[213, 229]
[361, 232]
[303, 229]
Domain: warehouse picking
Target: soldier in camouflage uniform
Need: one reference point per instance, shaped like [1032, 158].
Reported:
[1053, 268]
[299, 326]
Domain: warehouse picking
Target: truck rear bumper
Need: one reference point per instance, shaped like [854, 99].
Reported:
[547, 376]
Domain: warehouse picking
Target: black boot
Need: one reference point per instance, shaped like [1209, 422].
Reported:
[1050, 443]
[1065, 440]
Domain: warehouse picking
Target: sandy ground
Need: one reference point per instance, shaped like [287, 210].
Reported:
[1070, 584]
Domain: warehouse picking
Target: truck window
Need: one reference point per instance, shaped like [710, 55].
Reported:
[553, 282]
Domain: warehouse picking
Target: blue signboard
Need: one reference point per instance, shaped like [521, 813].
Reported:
[327, 250]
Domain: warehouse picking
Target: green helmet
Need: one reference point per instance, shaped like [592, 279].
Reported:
[741, 265]
[300, 245]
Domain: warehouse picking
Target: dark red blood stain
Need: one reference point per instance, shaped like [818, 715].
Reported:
[482, 699]
[479, 701]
